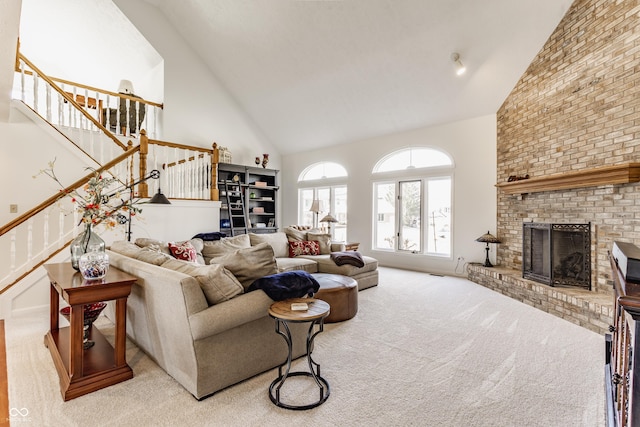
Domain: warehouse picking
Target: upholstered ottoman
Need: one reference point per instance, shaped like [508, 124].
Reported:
[341, 292]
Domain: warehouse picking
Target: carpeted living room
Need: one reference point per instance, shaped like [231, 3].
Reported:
[396, 132]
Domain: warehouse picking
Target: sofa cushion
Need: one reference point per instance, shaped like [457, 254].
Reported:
[224, 246]
[303, 248]
[323, 239]
[295, 235]
[249, 264]
[183, 251]
[278, 242]
[297, 263]
[218, 284]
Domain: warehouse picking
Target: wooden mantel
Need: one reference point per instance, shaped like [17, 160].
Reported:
[606, 175]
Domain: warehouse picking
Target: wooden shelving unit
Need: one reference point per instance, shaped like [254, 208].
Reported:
[606, 175]
[260, 187]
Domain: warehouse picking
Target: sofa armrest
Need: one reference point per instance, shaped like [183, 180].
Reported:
[227, 315]
[338, 247]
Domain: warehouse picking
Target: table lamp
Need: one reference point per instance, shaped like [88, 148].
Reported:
[488, 238]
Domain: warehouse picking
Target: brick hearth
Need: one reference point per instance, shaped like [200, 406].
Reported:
[589, 309]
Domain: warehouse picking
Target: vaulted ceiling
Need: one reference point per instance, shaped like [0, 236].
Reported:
[314, 73]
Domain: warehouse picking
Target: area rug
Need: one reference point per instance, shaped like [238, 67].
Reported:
[423, 350]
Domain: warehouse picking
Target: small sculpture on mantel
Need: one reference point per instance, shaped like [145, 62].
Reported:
[517, 178]
[258, 161]
[265, 160]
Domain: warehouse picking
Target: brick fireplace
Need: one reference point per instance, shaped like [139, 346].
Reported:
[575, 110]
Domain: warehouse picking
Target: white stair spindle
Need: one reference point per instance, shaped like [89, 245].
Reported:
[12, 251]
[48, 89]
[45, 234]
[35, 91]
[30, 239]
[22, 83]
[60, 228]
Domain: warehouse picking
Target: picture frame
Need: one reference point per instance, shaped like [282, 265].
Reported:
[271, 223]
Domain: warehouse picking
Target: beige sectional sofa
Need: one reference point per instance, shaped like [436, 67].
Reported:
[366, 276]
[198, 323]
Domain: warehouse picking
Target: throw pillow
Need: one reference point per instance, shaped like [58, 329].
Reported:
[224, 246]
[249, 264]
[278, 242]
[217, 283]
[183, 250]
[323, 239]
[295, 235]
[152, 257]
[125, 248]
[304, 248]
[154, 244]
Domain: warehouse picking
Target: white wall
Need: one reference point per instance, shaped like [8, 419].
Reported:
[471, 143]
[198, 110]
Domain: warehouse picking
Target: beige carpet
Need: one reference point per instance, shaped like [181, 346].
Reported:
[422, 351]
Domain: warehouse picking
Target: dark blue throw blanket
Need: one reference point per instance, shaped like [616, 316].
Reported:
[208, 237]
[290, 284]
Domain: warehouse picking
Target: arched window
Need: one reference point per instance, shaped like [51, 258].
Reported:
[323, 170]
[322, 190]
[412, 202]
[412, 158]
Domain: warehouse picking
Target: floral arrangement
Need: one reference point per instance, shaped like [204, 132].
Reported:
[97, 203]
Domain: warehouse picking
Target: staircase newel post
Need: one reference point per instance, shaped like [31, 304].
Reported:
[143, 187]
[215, 159]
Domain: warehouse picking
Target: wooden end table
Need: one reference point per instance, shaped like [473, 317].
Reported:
[283, 314]
[84, 371]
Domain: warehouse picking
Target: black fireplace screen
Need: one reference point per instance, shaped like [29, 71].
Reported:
[557, 254]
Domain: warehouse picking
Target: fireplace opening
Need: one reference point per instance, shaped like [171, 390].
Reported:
[557, 254]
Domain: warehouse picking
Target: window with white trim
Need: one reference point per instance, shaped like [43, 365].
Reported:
[412, 192]
[324, 182]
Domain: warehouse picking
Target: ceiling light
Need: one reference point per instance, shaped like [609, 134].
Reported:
[460, 68]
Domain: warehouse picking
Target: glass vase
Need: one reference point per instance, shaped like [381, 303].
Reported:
[87, 241]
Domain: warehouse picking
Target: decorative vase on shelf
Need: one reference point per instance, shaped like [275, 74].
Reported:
[265, 160]
[94, 265]
[91, 313]
[258, 161]
[87, 241]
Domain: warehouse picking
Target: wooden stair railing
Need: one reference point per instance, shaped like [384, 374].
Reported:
[9, 273]
[190, 172]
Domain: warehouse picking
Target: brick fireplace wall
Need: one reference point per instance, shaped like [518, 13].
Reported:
[576, 107]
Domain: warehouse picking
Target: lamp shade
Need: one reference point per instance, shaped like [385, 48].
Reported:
[328, 218]
[159, 199]
[488, 238]
[315, 206]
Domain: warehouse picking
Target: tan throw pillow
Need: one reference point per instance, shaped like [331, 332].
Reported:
[154, 244]
[217, 283]
[249, 264]
[278, 242]
[125, 248]
[217, 248]
[323, 239]
[295, 235]
[152, 257]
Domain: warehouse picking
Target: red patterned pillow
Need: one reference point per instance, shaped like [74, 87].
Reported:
[184, 251]
[311, 247]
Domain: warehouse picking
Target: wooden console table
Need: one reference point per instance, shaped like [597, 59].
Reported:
[84, 371]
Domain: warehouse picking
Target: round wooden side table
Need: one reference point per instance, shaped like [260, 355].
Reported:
[283, 313]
